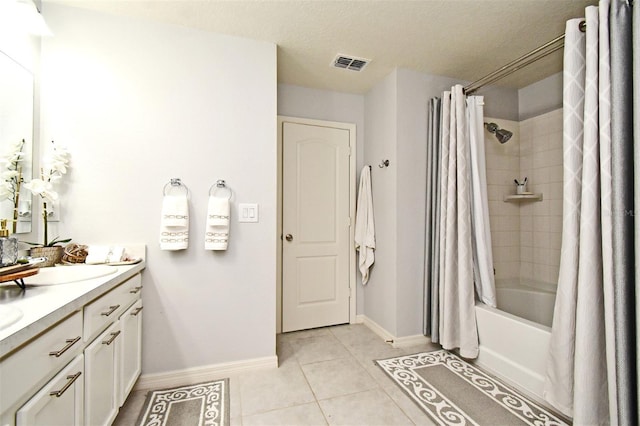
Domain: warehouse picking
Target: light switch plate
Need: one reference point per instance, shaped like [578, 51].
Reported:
[248, 212]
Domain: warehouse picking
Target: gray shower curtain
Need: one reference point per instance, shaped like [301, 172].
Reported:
[622, 124]
[458, 240]
[432, 236]
[591, 373]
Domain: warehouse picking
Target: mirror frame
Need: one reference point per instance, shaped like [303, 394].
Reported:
[17, 89]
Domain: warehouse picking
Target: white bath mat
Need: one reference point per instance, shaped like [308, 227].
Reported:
[204, 404]
[453, 392]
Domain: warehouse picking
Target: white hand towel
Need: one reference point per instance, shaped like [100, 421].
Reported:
[175, 210]
[365, 234]
[104, 254]
[174, 224]
[217, 228]
[218, 211]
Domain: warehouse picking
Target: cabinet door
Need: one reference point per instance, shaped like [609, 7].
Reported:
[130, 349]
[101, 374]
[59, 402]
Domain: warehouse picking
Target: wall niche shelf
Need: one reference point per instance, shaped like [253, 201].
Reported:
[516, 198]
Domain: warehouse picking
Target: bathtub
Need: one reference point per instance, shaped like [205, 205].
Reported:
[531, 301]
[513, 347]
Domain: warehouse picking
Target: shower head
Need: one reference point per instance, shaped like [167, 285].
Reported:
[501, 134]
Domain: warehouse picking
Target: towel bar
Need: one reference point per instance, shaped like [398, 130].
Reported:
[174, 183]
[220, 184]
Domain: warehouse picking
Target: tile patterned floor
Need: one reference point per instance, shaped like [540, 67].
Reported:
[326, 377]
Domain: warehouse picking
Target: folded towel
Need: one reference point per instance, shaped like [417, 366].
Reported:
[174, 224]
[104, 254]
[217, 228]
[365, 234]
[218, 211]
[175, 210]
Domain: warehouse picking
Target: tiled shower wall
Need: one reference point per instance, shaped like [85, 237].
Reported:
[541, 222]
[526, 235]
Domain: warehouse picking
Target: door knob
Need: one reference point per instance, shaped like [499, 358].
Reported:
[289, 237]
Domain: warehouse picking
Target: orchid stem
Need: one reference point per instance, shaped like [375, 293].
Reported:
[46, 225]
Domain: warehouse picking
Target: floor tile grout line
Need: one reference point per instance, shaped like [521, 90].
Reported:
[315, 397]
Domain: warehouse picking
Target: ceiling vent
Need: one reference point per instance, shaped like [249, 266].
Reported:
[350, 62]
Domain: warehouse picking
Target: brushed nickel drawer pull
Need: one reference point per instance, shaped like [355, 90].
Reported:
[72, 378]
[135, 290]
[137, 311]
[112, 309]
[69, 343]
[113, 337]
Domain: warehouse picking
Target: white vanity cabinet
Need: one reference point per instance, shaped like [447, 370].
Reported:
[59, 402]
[130, 350]
[26, 370]
[79, 370]
[101, 367]
[107, 356]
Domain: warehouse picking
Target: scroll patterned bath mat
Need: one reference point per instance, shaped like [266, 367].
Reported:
[205, 404]
[453, 392]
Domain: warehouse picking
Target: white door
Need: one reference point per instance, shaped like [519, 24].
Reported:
[316, 222]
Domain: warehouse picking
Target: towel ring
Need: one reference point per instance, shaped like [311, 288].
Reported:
[222, 186]
[174, 183]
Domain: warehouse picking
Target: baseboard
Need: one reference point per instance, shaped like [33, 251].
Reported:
[418, 339]
[203, 374]
[396, 342]
[376, 328]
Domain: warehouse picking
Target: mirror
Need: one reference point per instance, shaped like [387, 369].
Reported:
[16, 125]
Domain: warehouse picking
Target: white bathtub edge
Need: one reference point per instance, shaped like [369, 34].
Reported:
[516, 375]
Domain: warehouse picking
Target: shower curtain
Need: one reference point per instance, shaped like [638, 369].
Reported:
[591, 373]
[432, 228]
[458, 239]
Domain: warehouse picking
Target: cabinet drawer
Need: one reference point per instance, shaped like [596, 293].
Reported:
[41, 358]
[107, 308]
[59, 402]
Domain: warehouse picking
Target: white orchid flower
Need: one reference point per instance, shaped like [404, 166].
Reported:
[42, 188]
[59, 166]
[16, 157]
[6, 191]
[61, 151]
[37, 186]
[8, 174]
[16, 144]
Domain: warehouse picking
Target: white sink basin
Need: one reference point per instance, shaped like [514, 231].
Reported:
[69, 274]
[9, 315]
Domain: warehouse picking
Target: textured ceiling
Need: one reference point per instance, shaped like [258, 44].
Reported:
[463, 39]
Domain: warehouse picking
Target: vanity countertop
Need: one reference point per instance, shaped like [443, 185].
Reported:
[44, 306]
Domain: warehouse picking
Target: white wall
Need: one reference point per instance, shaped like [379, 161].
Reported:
[139, 103]
[500, 102]
[540, 97]
[381, 129]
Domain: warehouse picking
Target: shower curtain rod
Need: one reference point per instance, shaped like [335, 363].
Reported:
[526, 59]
